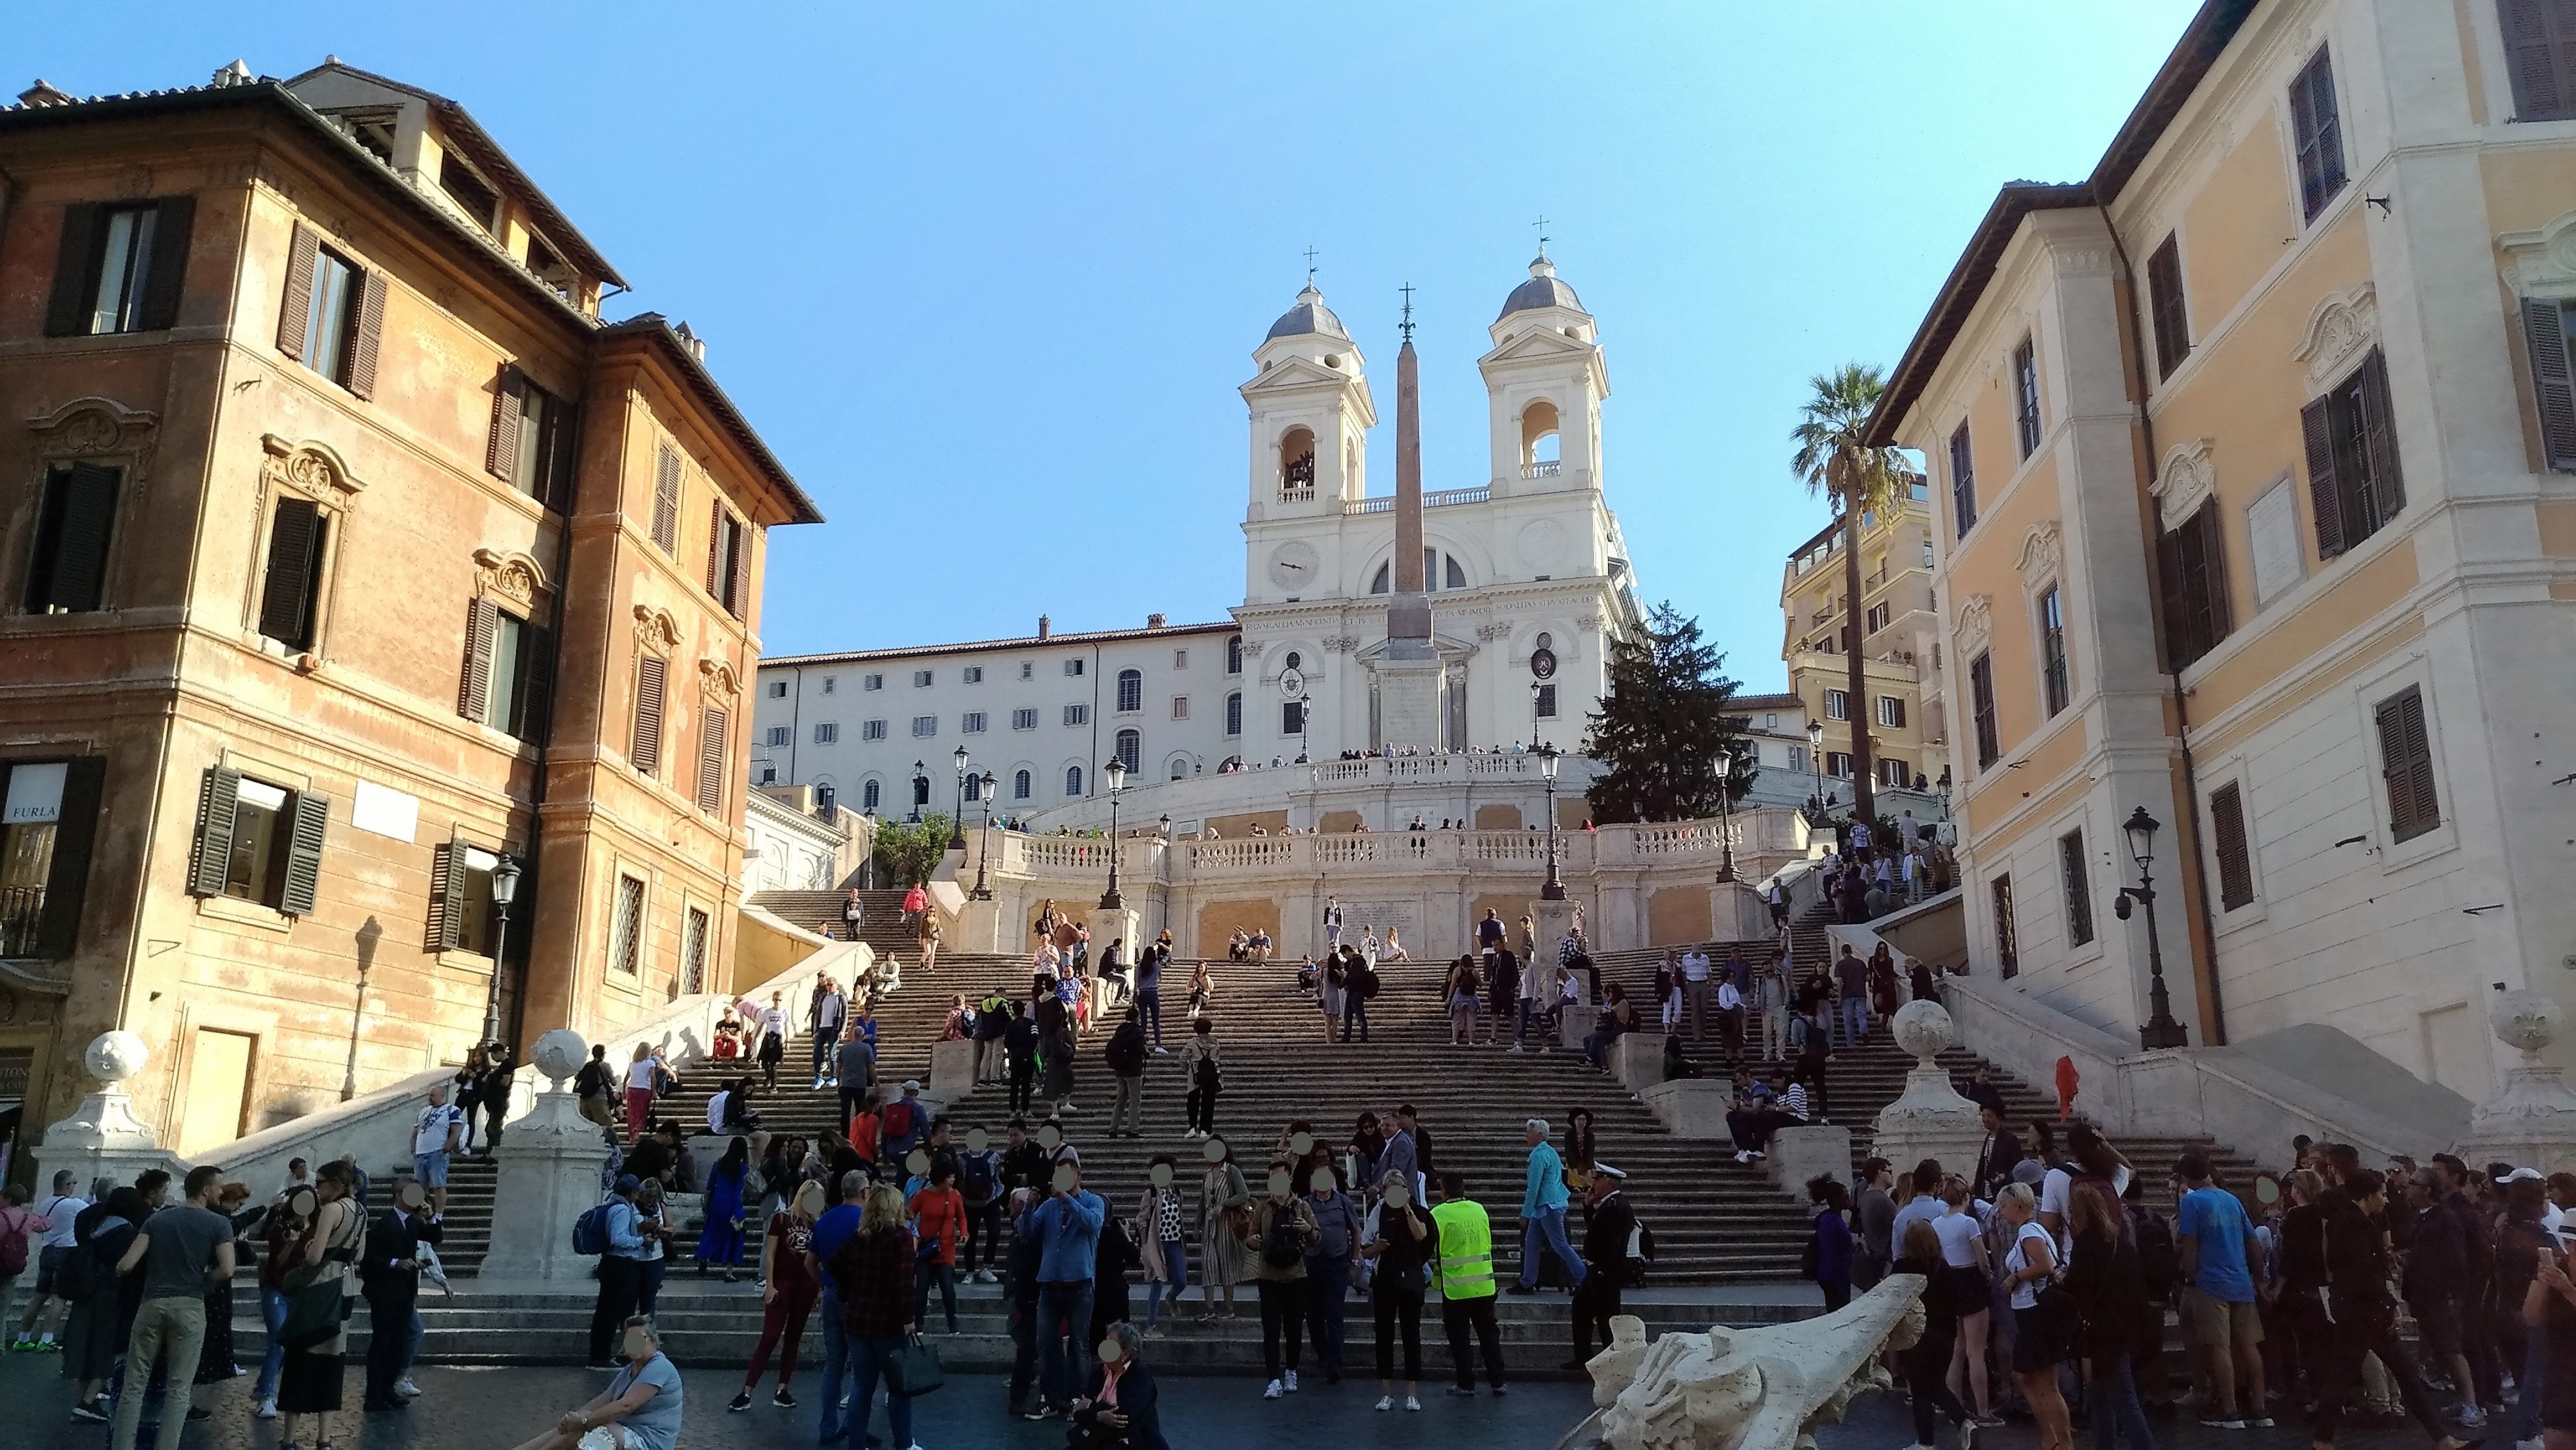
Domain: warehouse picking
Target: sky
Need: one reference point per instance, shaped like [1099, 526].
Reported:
[986, 276]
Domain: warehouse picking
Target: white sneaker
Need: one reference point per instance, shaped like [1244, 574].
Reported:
[1271, 1393]
[267, 1409]
[1516, 1047]
[1411, 1403]
[1290, 1381]
[406, 1388]
[1162, 1051]
[1386, 1402]
[1742, 1156]
[2472, 1418]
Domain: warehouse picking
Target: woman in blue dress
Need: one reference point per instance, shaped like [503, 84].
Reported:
[721, 1243]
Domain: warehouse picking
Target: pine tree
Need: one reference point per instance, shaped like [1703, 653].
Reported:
[1662, 725]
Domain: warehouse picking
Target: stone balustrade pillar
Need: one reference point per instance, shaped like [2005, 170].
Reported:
[103, 1138]
[1929, 1119]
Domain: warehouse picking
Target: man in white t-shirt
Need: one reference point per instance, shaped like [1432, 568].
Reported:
[1695, 991]
[433, 1137]
[52, 1247]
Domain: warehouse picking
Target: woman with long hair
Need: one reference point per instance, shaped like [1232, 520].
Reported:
[308, 1385]
[639, 1090]
[1928, 1361]
[2030, 1266]
[1224, 1260]
[1161, 1242]
[100, 1322]
[1399, 1243]
[721, 1243]
[1963, 1255]
[1832, 1243]
[1462, 1002]
[787, 1294]
[872, 1271]
[2110, 1289]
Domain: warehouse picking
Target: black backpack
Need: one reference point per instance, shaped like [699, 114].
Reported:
[1281, 1246]
[2157, 1256]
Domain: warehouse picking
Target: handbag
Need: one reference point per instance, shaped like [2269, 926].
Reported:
[314, 1313]
[912, 1368]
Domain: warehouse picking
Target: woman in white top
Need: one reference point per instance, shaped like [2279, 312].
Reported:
[1963, 1252]
[2029, 1265]
[639, 1089]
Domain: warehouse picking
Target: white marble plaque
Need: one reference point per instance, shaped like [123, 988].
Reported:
[385, 811]
[2272, 541]
[1359, 916]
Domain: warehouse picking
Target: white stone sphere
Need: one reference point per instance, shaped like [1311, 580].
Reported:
[1924, 1029]
[560, 1054]
[2526, 1019]
[115, 1056]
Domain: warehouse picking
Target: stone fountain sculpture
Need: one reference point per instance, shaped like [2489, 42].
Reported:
[2531, 1121]
[1763, 1388]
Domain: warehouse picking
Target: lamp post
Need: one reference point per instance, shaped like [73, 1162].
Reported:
[1554, 890]
[920, 792]
[957, 823]
[2161, 1030]
[505, 889]
[1725, 763]
[983, 892]
[1115, 773]
[1816, 757]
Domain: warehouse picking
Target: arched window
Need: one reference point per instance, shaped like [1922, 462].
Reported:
[823, 801]
[1455, 577]
[1234, 655]
[1378, 583]
[974, 787]
[1180, 766]
[1297, 465]
[1131, 690]
[870, 794]
[1439, 571]
[1539, 441]
[1020, 785]
[1130, 749]
[1073, 780]
[1234, 713]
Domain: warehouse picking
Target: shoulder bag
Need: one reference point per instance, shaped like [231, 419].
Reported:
[913, 1368]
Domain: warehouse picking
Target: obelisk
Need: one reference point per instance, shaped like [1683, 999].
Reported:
[1409, 673]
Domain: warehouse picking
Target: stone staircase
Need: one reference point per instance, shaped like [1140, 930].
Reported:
[881, 923]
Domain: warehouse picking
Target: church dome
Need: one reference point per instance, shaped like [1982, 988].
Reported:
[1310, 315]
[1541, 290]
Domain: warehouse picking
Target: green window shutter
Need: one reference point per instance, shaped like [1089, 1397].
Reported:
[666, 499]
[75, 833]
[168, 273]
[211, 862]
[286, 595]
[2544, 326]
[652, 679]
[446, 922]
[2316, 425]
[304, 853]
[716, 550]
[294, 314]
[67, 312]
[501, 449]
[369, 340]
[474, 693]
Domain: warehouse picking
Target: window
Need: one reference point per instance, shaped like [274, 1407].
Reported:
[972, 674]
[1894, 774]
[334, 314]
[1837, 705]
[291, 591]
[2353, 479]
[2406, 764]
[462, 914]
[1927, 553]
[119, 267]
[871, 682]
[1077, 714]
[1180, 659]
[780, 735]
[1891, 712]
[2026, 396]
[626, 927]
[1073, 780]
[924, 725]
[1024, 719]
[2544, 323]
[974, 787]
[1877, 618]
[1963, 483]
[1546, 695]
[258, 842]
[828, 682]
[666, 499]
[872, 730]
[769, 775]
[693, 953]
[1180, 767]
[509, 669]
[1131, 691]
[1180, 707]
[921, 679]
[2079, 888]
[2540, 54]
[2007, 941]
[1292, 717]
[1234, 713]
[2227, 832]
[2317, 128]
[1019, 785]
[2056, 686]
[470, 192]
[644, 742]
[728, 560]
[1771, 720]
[1838, 764]
[1027, 669]
[1234, 655]
[46, 830]
[69, 571]
[971, 723]
[777, 689]
[1130, 749]
[871, 792]
[2194, 584]
[1296, 661]
[827, 734]
[823, 801]
[2165, 306]
[531, 445]
[1073, 667]
[1981, 692]
[1797, 757]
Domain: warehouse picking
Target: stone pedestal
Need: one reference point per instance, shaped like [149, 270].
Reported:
[1551, 920]
[102, 1138]
[1118, 924]
[1741, 914]
[1929, 1119]
[1690, 1107]
[2531, 1123]
[549, 1163]
[1637, 1060]
[1408, 694]
[1800, 1154]
[952, 1072]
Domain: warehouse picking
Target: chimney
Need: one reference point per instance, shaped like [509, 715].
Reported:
[236, 74]
[43, 94]
[696, 345]
[1157, 621]
[1046, 626]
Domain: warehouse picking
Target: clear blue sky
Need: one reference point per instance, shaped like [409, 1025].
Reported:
[987, 276]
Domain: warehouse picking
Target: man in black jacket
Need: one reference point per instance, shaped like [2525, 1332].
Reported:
[2365, 1317]
[1125, 1055]
[1022, 1287]
[390, 1276]
[1610, 1224]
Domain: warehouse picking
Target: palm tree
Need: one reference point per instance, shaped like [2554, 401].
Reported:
[1859, 478]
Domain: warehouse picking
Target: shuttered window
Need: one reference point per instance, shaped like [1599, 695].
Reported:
[2026, 396]
[626, 927]
[2056, 675]
[119, 267]
[2540, 55]
[333, 316]
[291, 592]
[1981, 694]
[1963, 480]
[652, 682]
[2316, 126]
[531, 443]
[2007, 937]
[727, 559]
[2351, 439]
[67, 572]
[2078, 881]
[2165, 305]
[2553, 380]
[666, 499]
[258, 842]
[2406, 764]
[2193, 580]
[714, 726]
[509, 672]
[2235, 861]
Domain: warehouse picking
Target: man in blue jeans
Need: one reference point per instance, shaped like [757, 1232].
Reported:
[1149, 985]
[1067, 1229]
[1543, 1202]
[1851, 979]
[835, 1228]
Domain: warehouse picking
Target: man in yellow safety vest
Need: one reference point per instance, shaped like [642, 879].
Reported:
[1466, 1251]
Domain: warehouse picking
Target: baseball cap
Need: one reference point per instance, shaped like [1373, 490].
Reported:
[912, 1085]
[2519, 1175]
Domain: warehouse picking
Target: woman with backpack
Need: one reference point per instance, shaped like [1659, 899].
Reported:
[938, 1222]
[2039, 1339]
[1205, 1074]
[1280, 1229]
[1224, 1200]
[1461, 992]
[317, 1268]
[2110, 1293]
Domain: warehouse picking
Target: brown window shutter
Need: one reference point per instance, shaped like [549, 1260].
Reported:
[537, 694]
[370, 337]
[2324, 493]
[652, 678]
[168, 273]
[2205, 576]
[295, 313]
[2166, 304]
[501, 449]
[67, 312]
[2177, 615]
[76, 580]
[2379, 439]
[2235, 864]
[2406, 763]
[474, 694]
[75, 832]
[666, 499]
[563, 434]
[716, 549]
[211, 860]
[446, 923]
[304, 854]
[2544, 326]
[738, 572]
[712, 730]
[2538, 60]
[286, 595]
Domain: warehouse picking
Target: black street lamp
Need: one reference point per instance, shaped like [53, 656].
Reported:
[1816, 757]
[920, 792]
[957, 822]
[1115, 774]
[2161, 1030]
[983, 892]
[505, 889]
[1725, 764]
[1554, 890]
